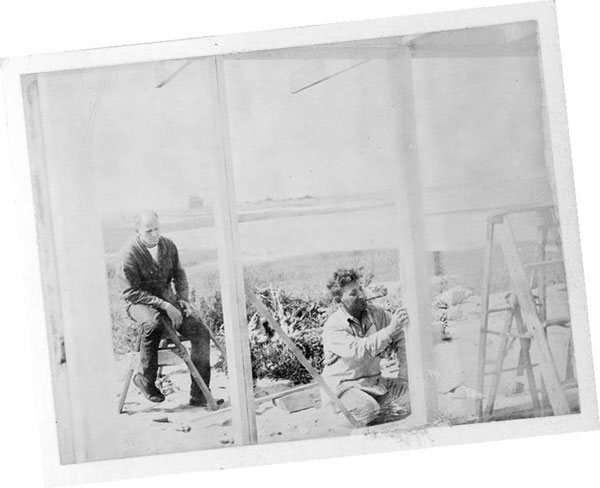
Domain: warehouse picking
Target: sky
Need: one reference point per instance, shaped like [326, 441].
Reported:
[479, 120]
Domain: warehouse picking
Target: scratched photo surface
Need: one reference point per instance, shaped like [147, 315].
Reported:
[415, 164]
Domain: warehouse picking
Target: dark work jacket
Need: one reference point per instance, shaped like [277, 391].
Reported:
[146, 282]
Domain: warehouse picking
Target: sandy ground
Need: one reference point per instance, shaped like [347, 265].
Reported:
[174, 426]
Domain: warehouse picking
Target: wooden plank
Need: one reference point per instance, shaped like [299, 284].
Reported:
[81, 271]
[512, 50]
[491, 41]
[539, 264]
[260, 400]
[329, 51]
[239, 367]
[182, 352]
[528, 311]
[414, 273]
[183, 66]
[483, 330]
[516, 49]
[132, 364]
[519, 31]
[540, 271]
[412, 39]
[70, 446]
[319, 72]
[525, 358]
[549, 101]
[290, 391]
[264, 312]
[500, 357]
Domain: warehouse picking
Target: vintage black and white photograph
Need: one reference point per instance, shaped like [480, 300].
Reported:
[365, 233]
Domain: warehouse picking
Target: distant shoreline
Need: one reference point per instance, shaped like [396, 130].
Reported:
[116, 233]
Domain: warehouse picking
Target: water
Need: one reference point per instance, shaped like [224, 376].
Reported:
[271, 239]
[371, 228]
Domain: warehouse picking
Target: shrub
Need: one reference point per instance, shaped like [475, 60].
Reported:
[275, 360]
[300, 319]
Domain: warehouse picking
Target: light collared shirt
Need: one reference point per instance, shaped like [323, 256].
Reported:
[352, 350]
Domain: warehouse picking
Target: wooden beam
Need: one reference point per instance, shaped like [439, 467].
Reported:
[414, 274]
[410, 40]
[519, 31]
[260, 400]
[329, 51]
[181, 351]
[547, 103]
[183, 66]
[474, 50]
[485, 309]
[239, 368]
[84, 295]
[492, 41]
[318, 73]
[70, 446]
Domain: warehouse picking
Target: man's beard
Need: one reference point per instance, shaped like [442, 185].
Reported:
[358, 307]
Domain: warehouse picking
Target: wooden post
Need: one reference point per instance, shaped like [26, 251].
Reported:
[239, 367]
[485, 306]
[81, 279]
[70, 447]
[414, 273]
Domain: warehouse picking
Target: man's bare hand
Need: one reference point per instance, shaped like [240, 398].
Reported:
[174, 315]
[399, 322]
[398, 387]
[187, 308]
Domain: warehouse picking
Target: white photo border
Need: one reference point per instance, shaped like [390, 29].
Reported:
[543, 13]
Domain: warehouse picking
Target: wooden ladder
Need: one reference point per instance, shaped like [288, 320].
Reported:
[526, 310]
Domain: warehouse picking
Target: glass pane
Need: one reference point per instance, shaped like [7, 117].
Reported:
[316, 169]
[149, 153]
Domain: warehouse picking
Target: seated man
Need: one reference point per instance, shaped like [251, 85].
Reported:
[354, 337]
[155, 288]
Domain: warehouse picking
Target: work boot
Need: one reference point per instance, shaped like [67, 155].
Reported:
[201, 402]
[148, 389]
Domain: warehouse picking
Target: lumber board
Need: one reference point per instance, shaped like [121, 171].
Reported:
[70, 448]
[414, 273]
[319, 72]
[483, 330]
[88, 350]
[239, 367]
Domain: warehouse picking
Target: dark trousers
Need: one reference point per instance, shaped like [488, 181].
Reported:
[152, 322]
